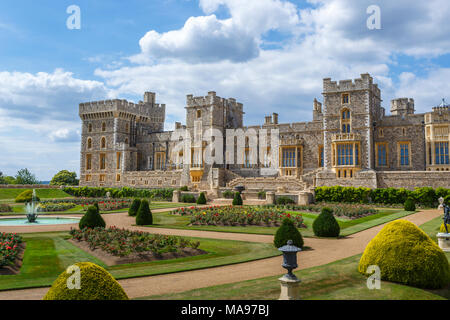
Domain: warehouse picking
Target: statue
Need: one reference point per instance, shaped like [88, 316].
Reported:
[108, 195]
[446, 217]
[441, 203]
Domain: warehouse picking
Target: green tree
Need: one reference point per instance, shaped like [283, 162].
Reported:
[326, 225]
[201, 199]
[2, 178]
[10, 180]
[144, 216]
[287, 232]
[132, 211]
[24, 176]
[64, 178]
[92, 219]
[237, 201]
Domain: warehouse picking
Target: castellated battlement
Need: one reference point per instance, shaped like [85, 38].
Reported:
[212, 99]
[146, 108]
[402, 106]
[363, 83]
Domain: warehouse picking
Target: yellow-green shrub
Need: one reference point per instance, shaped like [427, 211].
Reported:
[406, 254]
[25, 196]
[96, 284]
[442, 228]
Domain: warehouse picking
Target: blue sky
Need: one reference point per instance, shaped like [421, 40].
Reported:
[268, 54]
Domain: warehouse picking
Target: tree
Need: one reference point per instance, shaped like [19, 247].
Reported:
[24, 176]
[64, 178]
[9, 180]
[287, 232]
[2, 178]
[132, 211]
[201, 199]
[326, 225]
[144, 216]
[237, 201]
[92, 219]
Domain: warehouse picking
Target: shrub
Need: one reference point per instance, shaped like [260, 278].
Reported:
[410, 205]
[261, 195]
[26, 196]
[228, 194]
[287, 231]
[326, 225]
[5, 208]
[96, 284]
[407, 255]
[447, 200]
[284, 200]
[184, 188]
[201, 199]
[426, 196]
[132, 211]
[188, 198]
[92, 219]
[144, 216]
[237, 200]
[125, 192]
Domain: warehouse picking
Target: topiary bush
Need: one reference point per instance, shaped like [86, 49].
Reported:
[25, 196]
[132, 211]
[228, 194]
[410, 205]
[144, 216]
[407, 255]
[96, 284]
[326, 225]
[201, 199]
[237, 200]
[92, 219]
[287, 231]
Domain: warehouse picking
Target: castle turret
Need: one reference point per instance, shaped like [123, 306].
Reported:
[402, 106]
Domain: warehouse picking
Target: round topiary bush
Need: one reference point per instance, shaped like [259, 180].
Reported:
[410, 205]
[407, 255]
[201, 199]
[237, 200]
[326, 225]
[25, 196]
[92, 219]
[287, 231]
[144, 216]
[96, 284]
[132, 211]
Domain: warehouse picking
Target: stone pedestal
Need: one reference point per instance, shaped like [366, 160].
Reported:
[304, 198]
[289, 289]
[176, 196]
[270, 197]
[444, 241]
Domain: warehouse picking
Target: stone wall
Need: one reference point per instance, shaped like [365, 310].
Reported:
[413, 179]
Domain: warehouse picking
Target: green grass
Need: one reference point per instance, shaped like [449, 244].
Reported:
[11, 194]
[339, 280]
[49, 254]
[348, 227]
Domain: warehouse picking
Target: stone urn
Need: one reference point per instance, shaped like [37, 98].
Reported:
[444, 241]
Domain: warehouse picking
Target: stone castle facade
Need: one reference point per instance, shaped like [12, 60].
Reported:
[351, 141]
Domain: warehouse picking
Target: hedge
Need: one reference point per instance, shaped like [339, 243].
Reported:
[425, 196]
[326, 225]
[407, 255]
[125, 192]
[95, 284]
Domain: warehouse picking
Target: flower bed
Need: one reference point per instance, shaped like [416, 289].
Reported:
[109, 205]
[352, 211]
[9, 248]
[55, 207]
[239, 216]
[122, 243]
[5, 208]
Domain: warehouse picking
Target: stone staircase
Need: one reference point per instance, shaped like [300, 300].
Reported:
[268, 183]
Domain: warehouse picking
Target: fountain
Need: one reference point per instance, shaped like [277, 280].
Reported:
[32, 209]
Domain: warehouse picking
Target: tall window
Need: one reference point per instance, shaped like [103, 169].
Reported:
[103, 142]
[102, 161]
[247, 158]
[89, 143]
[382, 155]
[103, 126]
[90, 127]
[321, 154]
[441, 153]
[345, 154]
[289, 158]
[88, 162]
[345, 98]
[404, 154]
[119, 160]
[345, 121]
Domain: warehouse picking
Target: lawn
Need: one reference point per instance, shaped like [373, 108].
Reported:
[49, 254]
[348, 227]
[11, 194]
[335, 281]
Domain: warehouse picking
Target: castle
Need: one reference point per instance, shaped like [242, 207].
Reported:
[350, 142]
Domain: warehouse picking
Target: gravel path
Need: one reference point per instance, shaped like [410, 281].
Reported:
[323, 251]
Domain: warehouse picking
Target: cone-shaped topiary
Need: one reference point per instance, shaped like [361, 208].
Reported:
[95, 284]
[442, 228]
[144, 216]
[92, 219]
[326, 225]
[405, 254]
[287, 231]
[237, 200]
[410, 205]
[201, 199]
[132, 211]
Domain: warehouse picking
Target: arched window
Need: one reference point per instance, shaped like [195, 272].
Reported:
[89, 143]
[103, 126]
[103, 142]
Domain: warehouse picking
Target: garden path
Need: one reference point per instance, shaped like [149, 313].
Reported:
[323, 251]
